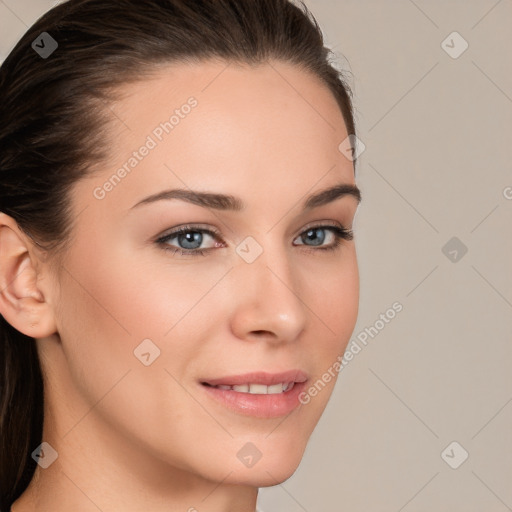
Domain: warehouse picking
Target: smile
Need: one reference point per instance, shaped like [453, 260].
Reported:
[258, 394]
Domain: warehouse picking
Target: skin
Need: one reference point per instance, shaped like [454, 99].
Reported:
[135, 438]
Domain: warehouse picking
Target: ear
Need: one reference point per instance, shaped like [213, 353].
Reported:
[22, 301]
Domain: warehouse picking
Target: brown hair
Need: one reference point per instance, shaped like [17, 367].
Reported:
[53, 124]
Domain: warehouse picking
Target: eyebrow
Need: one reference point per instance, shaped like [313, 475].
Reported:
[230, 202]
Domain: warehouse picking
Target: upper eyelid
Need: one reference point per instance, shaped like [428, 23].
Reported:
[176, 231]
[216, 234]
[215, 231]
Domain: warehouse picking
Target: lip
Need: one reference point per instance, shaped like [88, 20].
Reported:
[297, 376]
[259, 406]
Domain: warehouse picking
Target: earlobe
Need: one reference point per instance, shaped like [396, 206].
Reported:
[22, 303]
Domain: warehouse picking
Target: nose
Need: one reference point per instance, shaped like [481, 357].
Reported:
[268, 301]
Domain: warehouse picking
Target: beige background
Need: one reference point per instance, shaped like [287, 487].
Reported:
[437, 165]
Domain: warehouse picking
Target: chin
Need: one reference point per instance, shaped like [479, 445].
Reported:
[263, 476]
[278, 460]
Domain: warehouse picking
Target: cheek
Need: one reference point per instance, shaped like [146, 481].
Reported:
[106, 312]
[334, 300]
[334, 306]
[111, 304]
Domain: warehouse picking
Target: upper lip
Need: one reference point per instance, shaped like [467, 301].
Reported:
[265, 378]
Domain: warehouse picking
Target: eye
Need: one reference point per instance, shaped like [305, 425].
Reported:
[316, 235]
[189, 239]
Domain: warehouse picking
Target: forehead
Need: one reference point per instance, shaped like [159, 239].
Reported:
[216, 125]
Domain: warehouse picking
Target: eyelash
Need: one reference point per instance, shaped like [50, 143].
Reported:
[339, 233]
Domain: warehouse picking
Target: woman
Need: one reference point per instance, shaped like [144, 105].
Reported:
[178, 269]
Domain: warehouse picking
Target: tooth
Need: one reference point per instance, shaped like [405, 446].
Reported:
[244, 388]
[276, 388]
[258, 389]
[223, 386]
[288, 386]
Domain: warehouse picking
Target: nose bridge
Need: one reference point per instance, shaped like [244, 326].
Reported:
[269, 294]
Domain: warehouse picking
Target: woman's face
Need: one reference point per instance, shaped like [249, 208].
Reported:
[145, 322]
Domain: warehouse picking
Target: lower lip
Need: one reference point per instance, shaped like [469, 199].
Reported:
[260, 406]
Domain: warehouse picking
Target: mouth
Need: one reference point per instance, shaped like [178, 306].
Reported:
[259, 394]
[256, 389]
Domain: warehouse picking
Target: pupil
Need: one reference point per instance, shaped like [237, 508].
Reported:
[311, 236]
[191, 238]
